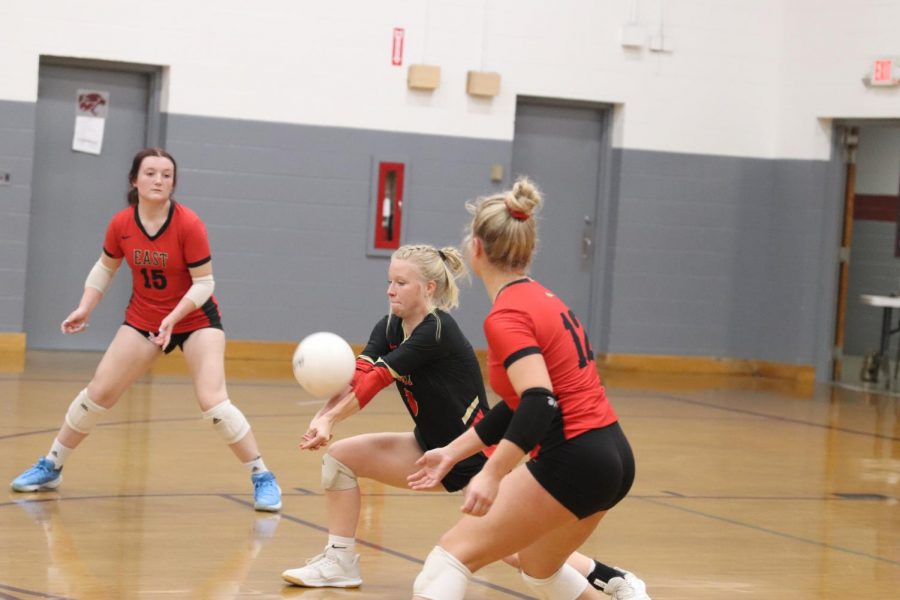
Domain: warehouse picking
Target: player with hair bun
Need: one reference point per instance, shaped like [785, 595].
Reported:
[418, 346]
[554, 408]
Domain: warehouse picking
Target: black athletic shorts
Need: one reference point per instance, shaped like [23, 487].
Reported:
[462, 472]
[178, 339]
[589, 473]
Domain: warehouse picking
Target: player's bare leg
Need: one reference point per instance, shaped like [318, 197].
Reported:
[507, 528]
[384, 457]
[127, 358]
[204, 351]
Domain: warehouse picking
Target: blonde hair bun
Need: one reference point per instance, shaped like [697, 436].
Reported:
[524, 197]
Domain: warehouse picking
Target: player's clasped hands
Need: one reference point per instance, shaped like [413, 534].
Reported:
[317, 435]
[164, 336]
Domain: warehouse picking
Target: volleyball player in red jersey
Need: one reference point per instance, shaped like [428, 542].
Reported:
[419, 347]
[166, 246]
[554, 408]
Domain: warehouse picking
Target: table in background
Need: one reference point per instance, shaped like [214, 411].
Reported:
[887, 304]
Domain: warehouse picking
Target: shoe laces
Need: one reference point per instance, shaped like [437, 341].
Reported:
[264, 483]
[623, 589]
[322, 560]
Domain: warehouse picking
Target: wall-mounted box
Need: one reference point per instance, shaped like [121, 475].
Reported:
[633, 36]
[483, 83]
[423, 77]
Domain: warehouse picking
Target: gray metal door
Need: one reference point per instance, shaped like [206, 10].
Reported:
[560, 149]
[73, 197]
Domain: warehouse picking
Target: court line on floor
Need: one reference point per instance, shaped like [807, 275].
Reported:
[237, 500]
[386, 550]
[29, 592]
[409, 558]
[29, 496]
[169, 380]
[769, 531]
[623, 393]
[626, 393]
[762, 415]
[250, 417]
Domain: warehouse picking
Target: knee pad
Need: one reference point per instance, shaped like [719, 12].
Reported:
[565, 584]
[83, 413]
[336, 475]
[228, 421]
[442, 577]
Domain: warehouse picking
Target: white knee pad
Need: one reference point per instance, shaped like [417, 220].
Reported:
[229, 421]
[565, 584]
[336, 475]
[83, 413]
[442, 577]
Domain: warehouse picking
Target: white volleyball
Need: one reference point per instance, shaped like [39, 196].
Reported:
[324, 364]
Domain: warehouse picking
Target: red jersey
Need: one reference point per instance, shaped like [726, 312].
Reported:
[527, 318]
[159, 266]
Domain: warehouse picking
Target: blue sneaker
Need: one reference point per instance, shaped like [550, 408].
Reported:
[39, 478]
[266, 493]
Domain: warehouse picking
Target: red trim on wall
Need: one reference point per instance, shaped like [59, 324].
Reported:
[871, 207]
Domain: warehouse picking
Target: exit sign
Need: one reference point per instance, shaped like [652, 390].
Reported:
[883, 72]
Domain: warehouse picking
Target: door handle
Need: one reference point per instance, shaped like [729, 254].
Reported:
[587, 239]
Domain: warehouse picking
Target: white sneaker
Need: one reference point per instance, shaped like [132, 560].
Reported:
[329, 569]
[629, 587]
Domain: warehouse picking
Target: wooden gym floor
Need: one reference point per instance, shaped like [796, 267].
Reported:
[746, 488]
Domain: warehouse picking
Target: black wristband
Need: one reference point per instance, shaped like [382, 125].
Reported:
[532, 419]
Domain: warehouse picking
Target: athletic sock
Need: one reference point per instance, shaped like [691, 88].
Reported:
[601, 574]
[58, 454]
[343, 545]
[256, 466]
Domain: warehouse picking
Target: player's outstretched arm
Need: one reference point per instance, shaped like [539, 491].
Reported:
[199, 292]
[436, 463]
[338, 408]
[95, 286]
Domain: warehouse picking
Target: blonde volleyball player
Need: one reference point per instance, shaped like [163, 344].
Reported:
[554, 407]
[420, 348]
[167, 249]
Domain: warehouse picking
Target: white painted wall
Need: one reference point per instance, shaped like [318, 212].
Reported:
[878, 161]
[829, 46]
[755, 78]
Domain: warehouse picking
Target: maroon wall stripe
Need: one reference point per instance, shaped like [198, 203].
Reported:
[871, 207]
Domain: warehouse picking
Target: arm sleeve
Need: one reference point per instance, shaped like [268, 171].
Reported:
[420, 348]
[368, 379]
[368, 384]
[532, 418]
[363, 366]
[494, 424]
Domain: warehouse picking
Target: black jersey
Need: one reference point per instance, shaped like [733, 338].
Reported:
[436, 373]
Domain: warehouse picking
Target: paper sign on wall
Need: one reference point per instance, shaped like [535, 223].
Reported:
[90, 120]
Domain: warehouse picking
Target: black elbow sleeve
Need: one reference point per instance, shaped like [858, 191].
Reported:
[492, 426]
[532, 419]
